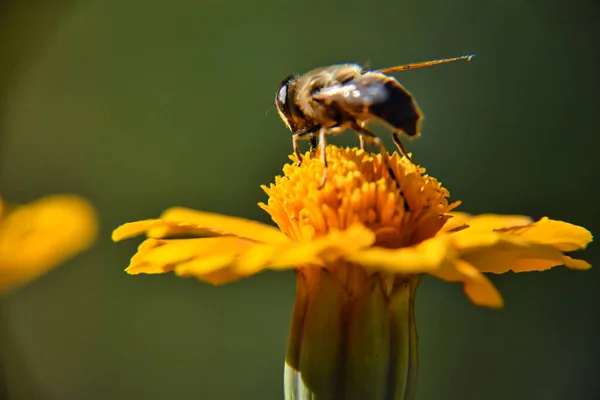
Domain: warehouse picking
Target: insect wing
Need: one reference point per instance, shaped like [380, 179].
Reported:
[357, 94]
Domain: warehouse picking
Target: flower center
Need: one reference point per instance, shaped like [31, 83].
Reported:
[359, 189]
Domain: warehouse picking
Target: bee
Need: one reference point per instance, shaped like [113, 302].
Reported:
[332, 99]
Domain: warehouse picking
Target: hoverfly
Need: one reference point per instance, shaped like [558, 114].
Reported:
[332, 99]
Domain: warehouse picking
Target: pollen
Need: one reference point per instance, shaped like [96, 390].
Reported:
[401, 211]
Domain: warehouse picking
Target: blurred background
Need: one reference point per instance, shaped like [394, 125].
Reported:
[142, 105]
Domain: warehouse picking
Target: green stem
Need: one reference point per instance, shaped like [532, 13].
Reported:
[353, 336]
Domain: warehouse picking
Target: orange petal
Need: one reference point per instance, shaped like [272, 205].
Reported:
[562, 235]
[478, 287]
[534, 247]
[430, 224]
[226, 225]
[319, 251]
[164, 255]
[182, 221]
[215, 269]
[148, 268]
[455, 221]
[258, 257]
[534, 264]
[507, 254]
[428, 256]
[436, 257]
[574, 263]
[132, 229]
[38, 236]
[326, 248]
[486, 222]
[225, 258]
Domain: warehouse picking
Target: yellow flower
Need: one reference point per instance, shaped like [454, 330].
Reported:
[359, 217]
[39, 236]
[359, 246]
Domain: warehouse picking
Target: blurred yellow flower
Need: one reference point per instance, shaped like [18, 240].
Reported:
[359, 246]
[39, 236]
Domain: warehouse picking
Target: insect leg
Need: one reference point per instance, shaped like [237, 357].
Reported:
[323, 144]
[372, 138]
[400, 146]
[313, 146]
[362, 142]
[307, 134]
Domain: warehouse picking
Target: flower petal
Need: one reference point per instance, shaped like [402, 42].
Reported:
[428, 226]
[38, 236]
[478, 287]
[222, 259]
[164, 255]
[257, 257]
[226, 225]
[215, 269]
[426, 257]
[132, 229]
[562, 235]
[437, 257]
[183, 221]
[534, 247]
[327, 248]
[486, 222]
[453, 224]
[510, 254]
[317, 252]
[574, 263]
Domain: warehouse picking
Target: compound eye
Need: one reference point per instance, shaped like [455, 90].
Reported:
[282, 94]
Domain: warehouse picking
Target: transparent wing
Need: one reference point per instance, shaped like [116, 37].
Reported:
[362, 91]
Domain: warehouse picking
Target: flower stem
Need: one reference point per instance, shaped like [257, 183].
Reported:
[352, 336]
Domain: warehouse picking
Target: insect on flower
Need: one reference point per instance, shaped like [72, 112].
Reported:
[358, 257]
[332, 99]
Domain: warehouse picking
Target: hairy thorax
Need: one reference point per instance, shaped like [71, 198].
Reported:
[311, 83]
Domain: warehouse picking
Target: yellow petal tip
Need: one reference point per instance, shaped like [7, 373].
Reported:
[132, 229]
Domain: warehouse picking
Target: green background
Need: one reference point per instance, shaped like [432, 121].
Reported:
[142, 105]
